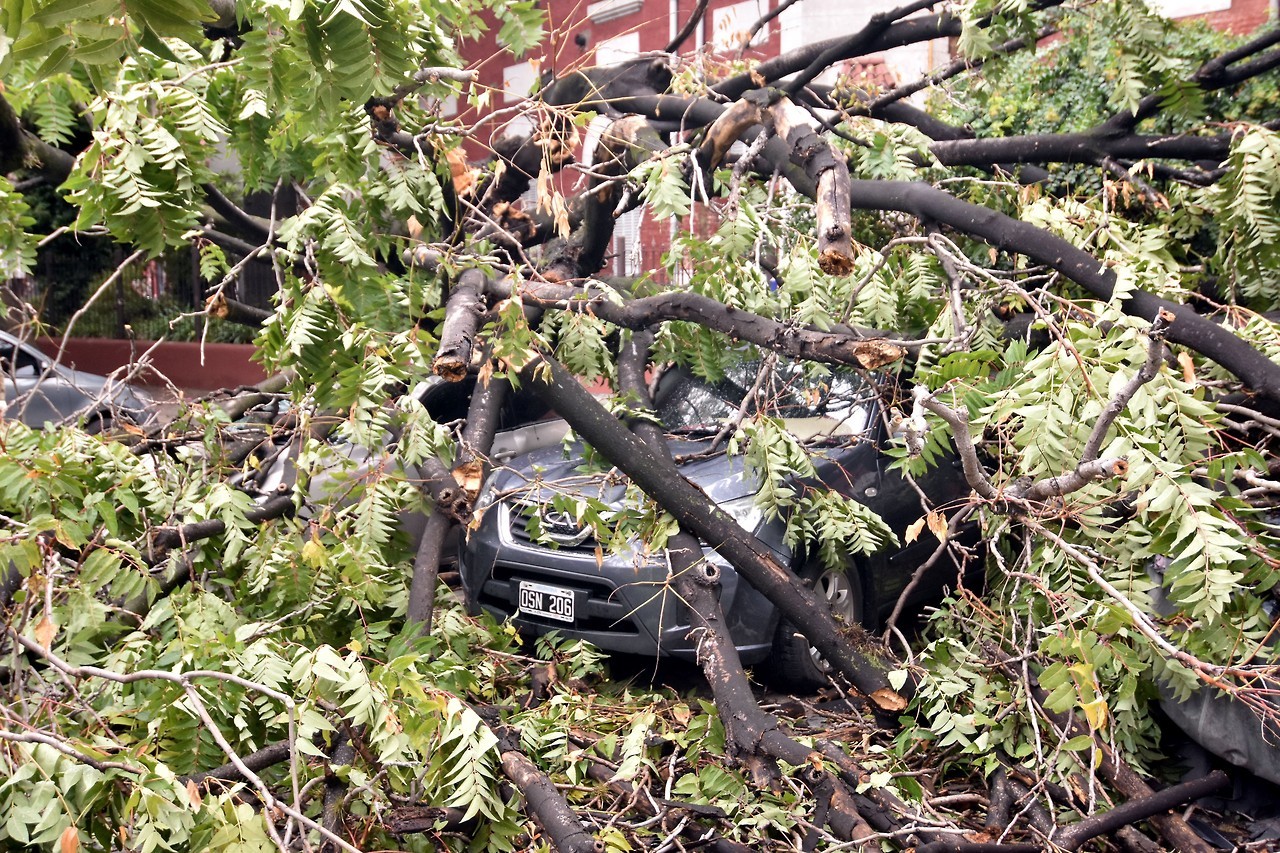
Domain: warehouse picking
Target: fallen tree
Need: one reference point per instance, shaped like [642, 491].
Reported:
[228, 631]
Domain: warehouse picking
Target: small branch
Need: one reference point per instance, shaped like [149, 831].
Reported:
[857, 43]
[763, 20]
[432, 74]
[268, 756]
[957, 66]
[1148, 192]
[918, 575]
[1252, 415]
[974, 474]
[67, 750]
[1138, 809]
[689, 25]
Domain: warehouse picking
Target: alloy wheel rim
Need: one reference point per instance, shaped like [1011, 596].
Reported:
[836, 590]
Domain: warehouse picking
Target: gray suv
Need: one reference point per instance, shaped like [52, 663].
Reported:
[38, 391]
[531, 561]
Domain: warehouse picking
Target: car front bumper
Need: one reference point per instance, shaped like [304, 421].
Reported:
[623, 602]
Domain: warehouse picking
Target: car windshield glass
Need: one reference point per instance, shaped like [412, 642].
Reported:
[688, 403]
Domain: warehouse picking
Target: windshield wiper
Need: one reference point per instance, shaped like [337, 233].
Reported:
[696, 429]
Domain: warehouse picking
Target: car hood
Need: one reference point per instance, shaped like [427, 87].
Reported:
[537, 476]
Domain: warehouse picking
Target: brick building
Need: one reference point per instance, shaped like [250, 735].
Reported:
[583, 33]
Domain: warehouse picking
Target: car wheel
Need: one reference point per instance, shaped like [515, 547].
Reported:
[100, 424]
[797, 664]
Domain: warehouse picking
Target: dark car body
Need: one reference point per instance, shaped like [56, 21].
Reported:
[619, 601]
[38, 391]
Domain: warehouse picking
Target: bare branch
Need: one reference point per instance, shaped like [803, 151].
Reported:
[687, 30]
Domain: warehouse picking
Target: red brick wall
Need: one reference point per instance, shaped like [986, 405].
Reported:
[1244, 16]
[225, 365]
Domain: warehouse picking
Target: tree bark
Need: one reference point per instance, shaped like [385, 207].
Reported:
[547, 805]
[461, 319]
[828, 170]
[658, 476]
[864, 348]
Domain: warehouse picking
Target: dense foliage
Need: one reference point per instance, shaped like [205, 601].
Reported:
[162, 631]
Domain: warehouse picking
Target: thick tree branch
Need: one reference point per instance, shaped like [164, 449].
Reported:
[1138, 809]
[545, 802]
[22, 149]
[461, 319]
[1085, 147]
[755, 737]
[1190, 329]
[268, 756]
[469, 472]
[838, 345]
[658, 476]
[829, 172]
[249, 226]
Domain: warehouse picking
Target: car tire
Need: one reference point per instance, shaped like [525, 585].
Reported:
[100, 424]
[796, 663]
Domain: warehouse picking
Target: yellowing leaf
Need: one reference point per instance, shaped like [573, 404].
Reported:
[45, 631]
[313, 552]
[193, 791]
[69, 841]
[937, 525]
[913, 530]
[1096, 713]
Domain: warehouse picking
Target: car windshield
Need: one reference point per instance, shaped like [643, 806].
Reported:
[688, 403]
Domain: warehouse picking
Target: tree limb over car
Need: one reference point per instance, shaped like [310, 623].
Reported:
[913, 362]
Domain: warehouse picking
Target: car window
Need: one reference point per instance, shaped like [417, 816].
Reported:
[686, 402]
[25, 363]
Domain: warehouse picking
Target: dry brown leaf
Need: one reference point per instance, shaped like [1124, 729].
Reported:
[193, 791]
[69, 841]
[463, 178]
[937, 525]
[45, 631]
[888, 700]
[1188, 365]
[913, 530]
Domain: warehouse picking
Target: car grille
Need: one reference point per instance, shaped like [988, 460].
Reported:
[559, 530]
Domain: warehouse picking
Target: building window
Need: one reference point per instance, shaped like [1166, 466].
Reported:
[618, 49]
[607, 10]
[731, 25]
[626, 242]
[449, 106]
[517, 82]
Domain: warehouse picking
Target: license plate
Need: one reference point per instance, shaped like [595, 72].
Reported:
[549, 602]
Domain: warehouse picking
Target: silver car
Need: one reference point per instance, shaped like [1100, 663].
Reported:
[38, 391]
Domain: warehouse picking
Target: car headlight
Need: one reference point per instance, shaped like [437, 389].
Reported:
[487, 494]
[745, 512]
